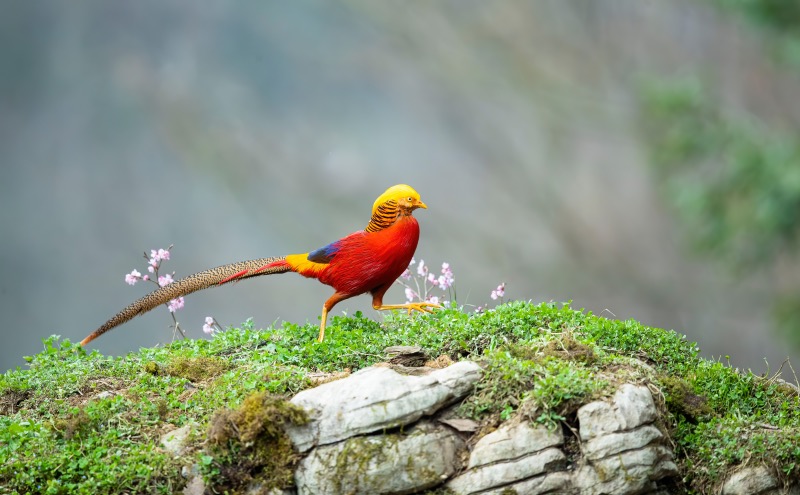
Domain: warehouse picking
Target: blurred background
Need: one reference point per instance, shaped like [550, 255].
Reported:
[638, 158]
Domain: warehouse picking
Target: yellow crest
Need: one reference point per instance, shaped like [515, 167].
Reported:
[395, 193]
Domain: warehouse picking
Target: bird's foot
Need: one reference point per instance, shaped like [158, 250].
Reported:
[422, 307]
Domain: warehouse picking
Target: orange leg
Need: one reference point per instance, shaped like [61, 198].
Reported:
[329, 304]
[377, 303]
[422, 307]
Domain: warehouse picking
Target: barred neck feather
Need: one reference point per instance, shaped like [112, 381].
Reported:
[385, 215]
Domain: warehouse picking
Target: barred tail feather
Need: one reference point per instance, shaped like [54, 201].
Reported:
[193, 283]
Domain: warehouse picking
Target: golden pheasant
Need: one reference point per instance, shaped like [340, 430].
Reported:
[369, 260]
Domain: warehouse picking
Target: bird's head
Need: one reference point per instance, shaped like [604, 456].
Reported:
[405, 196]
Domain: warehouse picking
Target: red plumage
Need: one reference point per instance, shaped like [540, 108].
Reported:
[371, 261]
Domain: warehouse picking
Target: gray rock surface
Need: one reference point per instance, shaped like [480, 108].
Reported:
[375, 399]
[614, 443]
[751, 480]
[628, 473]
[624, 452]
[513, 441]
[500, 474]
[176, 441]
[397, 463]
[513, 453]
[631, 406]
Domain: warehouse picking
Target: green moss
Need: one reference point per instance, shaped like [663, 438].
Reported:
[249, 444]
[152, 368]
[681, 399]
[73, 424]
[196, 369]
[568, 348]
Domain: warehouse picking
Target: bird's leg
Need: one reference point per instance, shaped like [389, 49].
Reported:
[329, 304]
[422, 307]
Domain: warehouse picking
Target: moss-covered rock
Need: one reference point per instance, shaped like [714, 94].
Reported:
[78, 422]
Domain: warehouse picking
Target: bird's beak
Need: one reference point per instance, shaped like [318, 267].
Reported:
[422, 205]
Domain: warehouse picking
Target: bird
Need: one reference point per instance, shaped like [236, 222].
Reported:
[366, 261]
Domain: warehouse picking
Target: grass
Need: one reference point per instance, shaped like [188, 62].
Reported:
[78, 422]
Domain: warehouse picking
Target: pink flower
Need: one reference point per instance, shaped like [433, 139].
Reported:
[175, 304]
[412, 262]
[432, 279]
[433, 299]
[410, 294]
[146, 278]
[422, 270]
[151, 269]
[165, 280]
[406, 274]
[500, 291]
[208, 328]
[163, 254]
[132, 277]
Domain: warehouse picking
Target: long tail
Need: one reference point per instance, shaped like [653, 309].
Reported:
[202, 280]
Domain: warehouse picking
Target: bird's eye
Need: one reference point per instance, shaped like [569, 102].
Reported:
[410, 198]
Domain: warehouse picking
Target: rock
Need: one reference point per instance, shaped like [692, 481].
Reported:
[513, 453]
[175, 441]
[396, 463]
[628, 473]
[461, 424]
[258, 489]
[195, 486]
[376, 399]
[751, 480]
[552, 483]
[512, 442]
[500, 474]
[614, 443]
[623, 452]
[631, 406]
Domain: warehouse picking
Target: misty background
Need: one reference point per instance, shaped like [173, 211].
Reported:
[239, 130]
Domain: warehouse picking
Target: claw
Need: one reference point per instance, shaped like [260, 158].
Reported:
[422, 307]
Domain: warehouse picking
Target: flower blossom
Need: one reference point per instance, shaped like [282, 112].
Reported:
[433, 300]
[208, 328]
[422, 270]
[406, 274]
[446, 279]
[500, 291]
[165, 280]
[132, 277]
[175, 304]
[410, 294]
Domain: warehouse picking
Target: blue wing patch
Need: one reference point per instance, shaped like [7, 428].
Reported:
[324, 254]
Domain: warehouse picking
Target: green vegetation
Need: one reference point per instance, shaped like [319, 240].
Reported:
[734, 183]
[778, 19]
[249, 444]
[79, 422]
